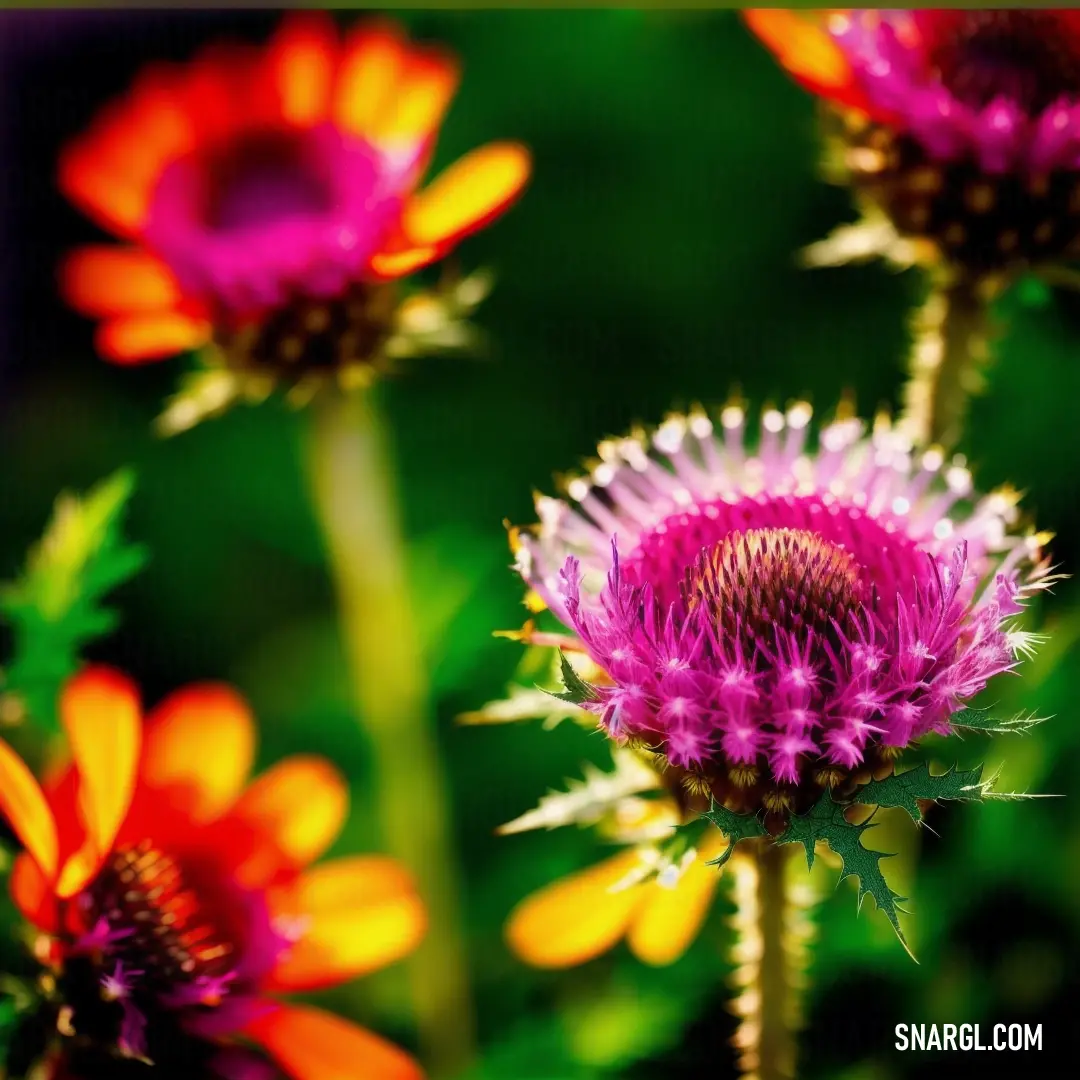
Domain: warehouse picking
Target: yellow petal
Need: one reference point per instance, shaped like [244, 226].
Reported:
[299, 806]
[394, 264]
[23, 804]
[200, 744]
[371, 63]
[100, 714]
[357, 914]
[467, 195]
[140, 339]
[670, 919]
[426, 84]
[577, 918]
[303, 57]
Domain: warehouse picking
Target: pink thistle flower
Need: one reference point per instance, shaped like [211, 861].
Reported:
[772, 620]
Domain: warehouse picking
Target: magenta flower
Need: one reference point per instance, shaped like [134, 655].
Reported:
[773, 620]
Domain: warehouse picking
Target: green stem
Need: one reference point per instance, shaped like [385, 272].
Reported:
[354, 497]
[949, 351]
[770, 955]
[776, 1051]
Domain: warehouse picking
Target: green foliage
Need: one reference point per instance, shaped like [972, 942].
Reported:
[8, 1020]
[56, 606]
[907, 788]
[734, 826]
[578, 691]
[825, 821]
[16, 999]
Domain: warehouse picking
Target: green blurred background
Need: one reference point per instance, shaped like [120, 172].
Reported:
[650, 265]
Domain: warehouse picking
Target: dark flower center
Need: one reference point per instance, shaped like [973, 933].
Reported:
[158, 921]
[312, 336]
[755, 582]
[982, 222]
[263, 178]
[1026, 56]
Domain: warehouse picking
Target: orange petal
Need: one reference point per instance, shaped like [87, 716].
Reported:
[303, 57]
[139, 339]
[670, 919]
[217, 92]
[577, 918]
[310, 1044]
[111, 172]
[100, 714]
[114, 200]
[299, 805]
[166, 130]
[32, 893]
[807, 52]
[467, 195]
[394, 264]
[113, 281]
[426, 85]
[200, 745]
[23, 804]
[358, 914]
[371, 63]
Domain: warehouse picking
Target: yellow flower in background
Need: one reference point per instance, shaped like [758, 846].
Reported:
[589, 912]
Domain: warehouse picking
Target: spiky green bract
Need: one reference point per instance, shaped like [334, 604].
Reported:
[577, 691]
[907, 788]
[734, 826]
[825, 821]
[56, 606]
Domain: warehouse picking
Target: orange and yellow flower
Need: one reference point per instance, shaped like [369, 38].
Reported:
[173, 900]
[265, 194]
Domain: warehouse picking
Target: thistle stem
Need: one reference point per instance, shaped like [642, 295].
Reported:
[950, 349]
[354, 498]
[770, 957]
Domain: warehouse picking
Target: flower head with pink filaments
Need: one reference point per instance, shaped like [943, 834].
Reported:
[771, 620]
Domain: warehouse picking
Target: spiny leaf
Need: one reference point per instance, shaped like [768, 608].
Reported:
[55, 607]
[578, 691]
[734, 826]
[984, 720]
[987, 789]
[826, 821]
[587, 801]
[906, 788]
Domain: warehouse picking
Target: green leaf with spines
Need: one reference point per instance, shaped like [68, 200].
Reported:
[905, 789]
[985, 721]
[577, 690]
[734, 826]
[56, 606]
[826, 821]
